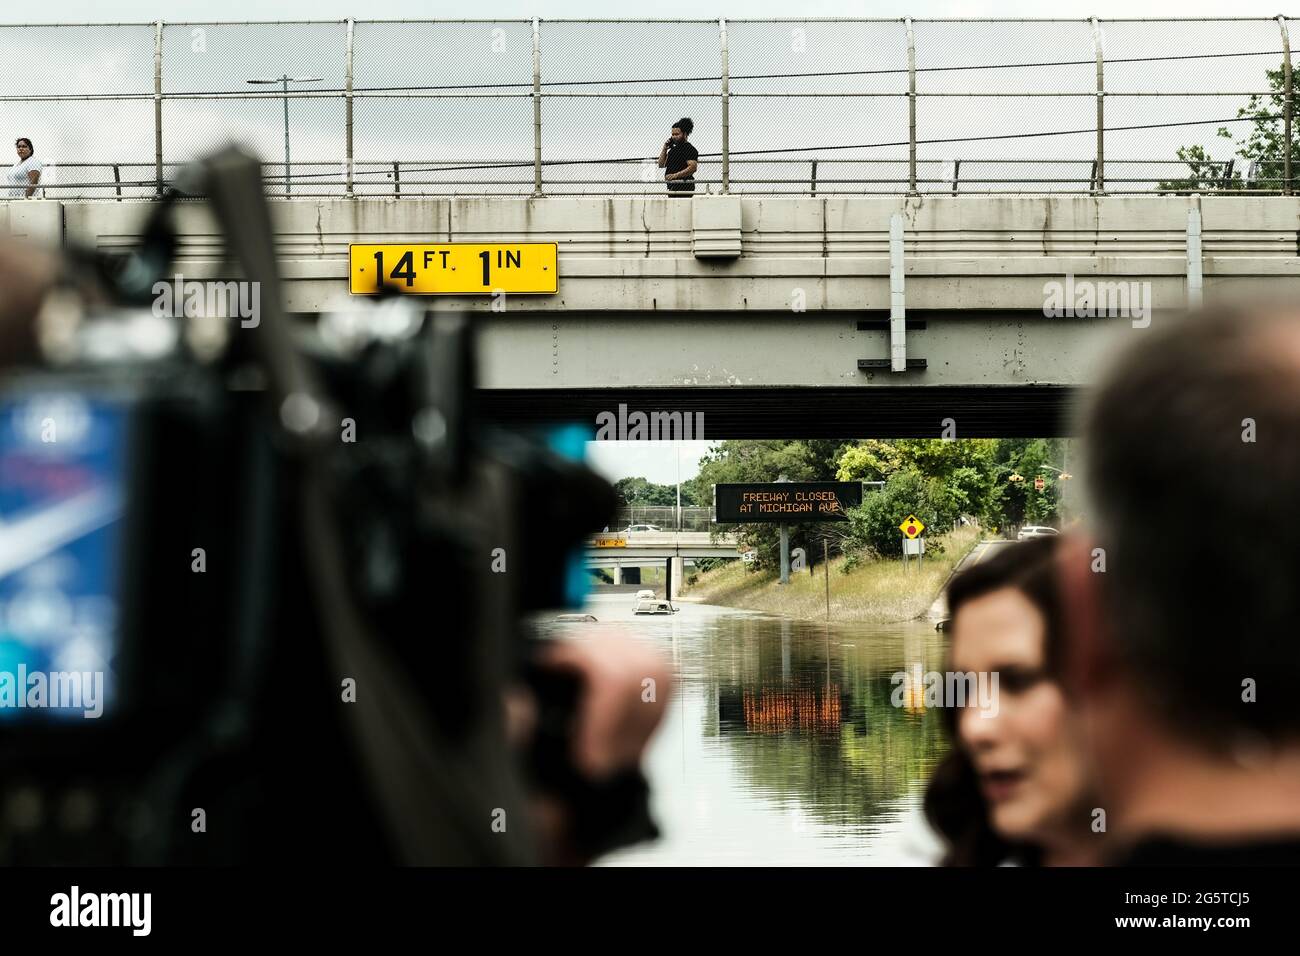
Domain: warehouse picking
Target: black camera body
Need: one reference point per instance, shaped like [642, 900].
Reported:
[313, 627]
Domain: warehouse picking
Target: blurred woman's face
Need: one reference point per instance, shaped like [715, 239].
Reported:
[1027, 755]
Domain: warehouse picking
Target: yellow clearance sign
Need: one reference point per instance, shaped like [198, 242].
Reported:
[455, 268]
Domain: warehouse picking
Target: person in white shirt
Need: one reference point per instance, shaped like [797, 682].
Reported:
[25, 174]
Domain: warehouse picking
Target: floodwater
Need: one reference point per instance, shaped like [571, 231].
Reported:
[781, 744]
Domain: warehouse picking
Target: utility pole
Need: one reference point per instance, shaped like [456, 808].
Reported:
[678, 448]
[785, 546]
[284, 82]
[826, 564]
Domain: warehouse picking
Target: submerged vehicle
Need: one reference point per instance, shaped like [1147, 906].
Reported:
[647, 603]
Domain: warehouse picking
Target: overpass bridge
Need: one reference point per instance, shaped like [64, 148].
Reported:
[782, 315]
[638, 549]
[883, 205]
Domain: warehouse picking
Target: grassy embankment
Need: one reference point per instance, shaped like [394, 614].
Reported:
[879, 592]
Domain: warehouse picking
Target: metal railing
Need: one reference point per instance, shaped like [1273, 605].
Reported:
[580, 107]
[664, 517]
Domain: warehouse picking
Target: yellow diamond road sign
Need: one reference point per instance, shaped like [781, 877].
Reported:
[911, 526]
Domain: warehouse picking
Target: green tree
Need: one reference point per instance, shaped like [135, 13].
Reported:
[871, 460]
[1013, 503]
[966, 466]
[1265, 144]
[642, 492]
[874, 526]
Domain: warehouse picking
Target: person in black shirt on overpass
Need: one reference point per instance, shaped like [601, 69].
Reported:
[679, 160]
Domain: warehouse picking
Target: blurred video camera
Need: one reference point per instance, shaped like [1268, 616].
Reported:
[262, 583]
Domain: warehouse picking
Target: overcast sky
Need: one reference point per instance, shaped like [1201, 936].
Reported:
[658, 461]
[65, 11]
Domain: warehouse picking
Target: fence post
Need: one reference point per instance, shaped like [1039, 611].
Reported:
[814, 177]
[537, 106]
[911, 109]
[726, 108]
[397, 179]
[351, 24]
[1286, 107]
[157, 107]
[1101, 109]
[117, 180]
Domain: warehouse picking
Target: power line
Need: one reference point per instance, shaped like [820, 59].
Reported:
[528, 84]
[528, 164]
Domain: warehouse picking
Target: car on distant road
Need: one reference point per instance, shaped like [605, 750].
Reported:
[640, 527]
[1035, 531]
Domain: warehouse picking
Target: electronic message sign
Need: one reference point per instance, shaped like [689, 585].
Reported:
[785, 501]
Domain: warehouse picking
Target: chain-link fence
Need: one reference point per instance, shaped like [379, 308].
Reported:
[566, 107]
[664, 518]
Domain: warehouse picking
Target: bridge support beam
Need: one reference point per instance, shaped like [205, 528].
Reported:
[897, 303]
[1194, 277]
[675, 567]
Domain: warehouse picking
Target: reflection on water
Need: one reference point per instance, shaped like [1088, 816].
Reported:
[813, 710]
[782, 745]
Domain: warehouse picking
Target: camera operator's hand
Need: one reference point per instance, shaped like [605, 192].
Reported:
[26, 275]
[624, 686]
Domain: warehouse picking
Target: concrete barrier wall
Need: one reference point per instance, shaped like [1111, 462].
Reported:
[646, 254]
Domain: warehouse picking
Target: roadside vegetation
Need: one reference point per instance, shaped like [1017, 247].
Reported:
[875, 589]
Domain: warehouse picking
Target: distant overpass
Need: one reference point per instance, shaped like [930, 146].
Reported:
[651, 547]
[646, 548]
[781, 316]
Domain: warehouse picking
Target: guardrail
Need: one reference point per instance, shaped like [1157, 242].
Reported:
[429, 178]
[580, 107]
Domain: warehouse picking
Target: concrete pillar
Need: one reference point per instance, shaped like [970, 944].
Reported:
[677, 568]
[618, 574]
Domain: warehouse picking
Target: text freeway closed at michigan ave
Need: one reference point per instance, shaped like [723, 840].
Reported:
[781, 501]
[454, 268]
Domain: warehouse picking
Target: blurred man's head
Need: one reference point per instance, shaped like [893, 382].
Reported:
[682, 129]
[1194, 477]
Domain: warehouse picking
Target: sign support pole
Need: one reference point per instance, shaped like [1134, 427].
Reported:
[785, 555]
[826, 563]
